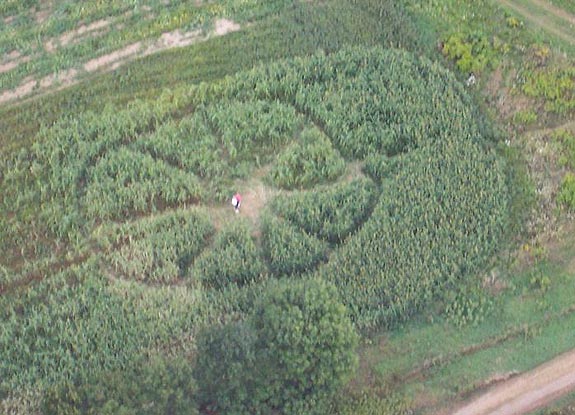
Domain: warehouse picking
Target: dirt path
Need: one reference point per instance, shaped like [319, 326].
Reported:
[104, 63]
[557, 11]
[528, 392]
[544, 22]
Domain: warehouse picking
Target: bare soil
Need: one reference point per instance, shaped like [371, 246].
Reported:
[528, 392]
[76, 35]
[106, 62]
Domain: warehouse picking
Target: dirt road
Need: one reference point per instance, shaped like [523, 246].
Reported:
[527, 392]
[108, 62]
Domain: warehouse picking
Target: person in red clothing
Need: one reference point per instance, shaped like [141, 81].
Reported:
[236, 202]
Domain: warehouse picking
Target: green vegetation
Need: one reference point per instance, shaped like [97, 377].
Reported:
[471, 53]
[156, 249]
[291, 355]
[425, 225]
[527, 326]
[307, 163]
[566, 141]
[72, 323]
[72, 33]
[127, 283]
[233, 259]
[525, 117]
[555, 86]
[566, 194]
[153, 386]
[290, 250]
[300, 29]
[332, 213]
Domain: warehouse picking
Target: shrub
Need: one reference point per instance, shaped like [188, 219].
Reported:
[470, 52]
[305, 346]
[307, 163]
[294, 351]
[227, 369]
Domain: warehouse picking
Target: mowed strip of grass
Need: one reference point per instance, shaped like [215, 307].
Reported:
[440, 361]
[567, 5]
[70, 34]
[554, 29]
[300, 29]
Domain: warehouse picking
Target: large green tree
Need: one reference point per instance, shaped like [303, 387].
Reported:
[306, 345]
[290, 355]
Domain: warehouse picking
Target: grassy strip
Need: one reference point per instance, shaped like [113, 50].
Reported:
[65, 40]
[531, 325]
[545, 25]
[568, 5]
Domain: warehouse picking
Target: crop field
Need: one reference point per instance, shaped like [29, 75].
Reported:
[381, 205]
[49, 43]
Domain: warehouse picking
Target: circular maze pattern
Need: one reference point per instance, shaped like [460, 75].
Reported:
[431, 210]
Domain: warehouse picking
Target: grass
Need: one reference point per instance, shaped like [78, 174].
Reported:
[441, 362]
[74, 32]
[567, 5]
[564, 406]
[544, 25]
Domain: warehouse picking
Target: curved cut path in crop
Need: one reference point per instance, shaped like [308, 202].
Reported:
[564, 31]
[528, 392]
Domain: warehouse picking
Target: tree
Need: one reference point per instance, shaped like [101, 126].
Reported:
[305, 345]
[225, 368]
[289, 356]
